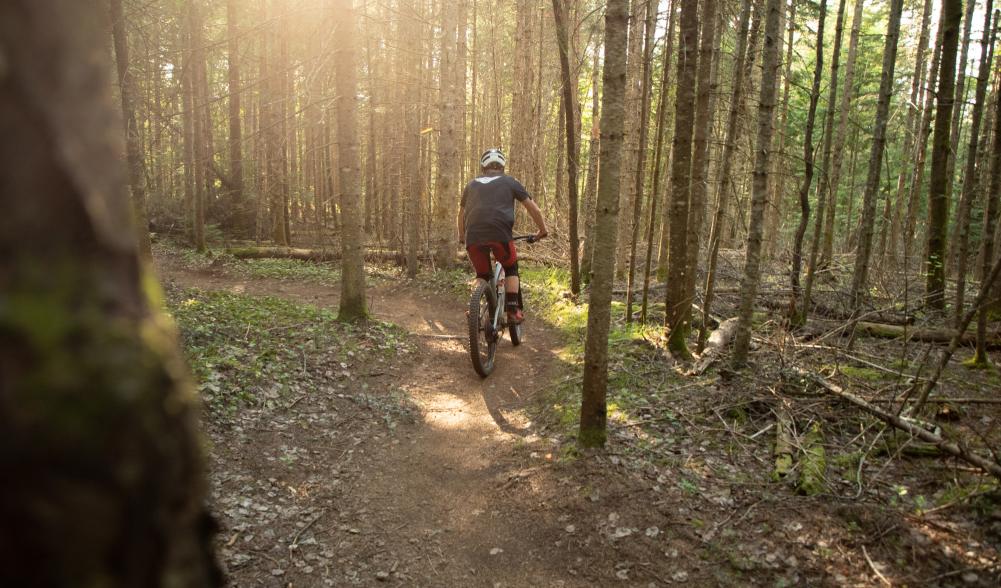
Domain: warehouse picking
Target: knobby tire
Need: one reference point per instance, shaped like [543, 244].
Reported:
[483, 359]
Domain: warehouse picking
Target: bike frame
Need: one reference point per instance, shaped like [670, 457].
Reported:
[501, 295]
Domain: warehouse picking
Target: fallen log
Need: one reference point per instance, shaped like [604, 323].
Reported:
[316, 255]
[950, 447]
[381, 255]
[718, 341]
[926, 335]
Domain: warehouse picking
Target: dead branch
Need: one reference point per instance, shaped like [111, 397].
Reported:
[952, 448]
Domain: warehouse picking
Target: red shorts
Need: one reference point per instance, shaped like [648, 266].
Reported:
[479, 256]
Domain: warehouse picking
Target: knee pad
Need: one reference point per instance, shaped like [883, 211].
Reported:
[512, 271]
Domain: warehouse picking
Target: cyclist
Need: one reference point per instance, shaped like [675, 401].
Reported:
[486, 222]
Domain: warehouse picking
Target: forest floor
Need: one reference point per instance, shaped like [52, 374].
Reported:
[363, 455]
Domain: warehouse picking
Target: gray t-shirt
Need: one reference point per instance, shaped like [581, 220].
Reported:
[489, 204]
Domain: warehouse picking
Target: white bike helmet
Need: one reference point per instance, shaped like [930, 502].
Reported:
[493, 156]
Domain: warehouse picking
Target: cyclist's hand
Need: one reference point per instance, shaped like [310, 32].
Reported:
[542, 234]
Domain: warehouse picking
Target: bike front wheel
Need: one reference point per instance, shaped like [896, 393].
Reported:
[482, 337]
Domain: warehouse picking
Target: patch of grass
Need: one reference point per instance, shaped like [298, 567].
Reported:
[251, 351]
[863, 373]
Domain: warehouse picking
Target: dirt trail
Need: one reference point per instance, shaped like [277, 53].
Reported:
[438, 497]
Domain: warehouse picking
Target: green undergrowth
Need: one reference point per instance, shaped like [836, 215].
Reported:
[262, 351]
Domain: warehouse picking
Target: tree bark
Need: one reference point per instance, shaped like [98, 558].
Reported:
[658, 168]
[640, 153]
[725, 185]
[678, 305]
[238, 202]
[759, 196]
[591, 187]
[958, 110]
[991, 216]
[134, 154]
[593, 412]
[569, 101]
[940, 182]
[352, 304]
[912, 129]
[825, 191]
[103, 461]
[446, 181]
[868, 220]
[705, 104]
[797, 307]
[827, 252]
[971, 178]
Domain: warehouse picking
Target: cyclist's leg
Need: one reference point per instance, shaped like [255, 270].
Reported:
[479, 257]
[507, 255]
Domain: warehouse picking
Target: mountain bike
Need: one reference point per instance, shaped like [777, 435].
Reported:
[488, 320]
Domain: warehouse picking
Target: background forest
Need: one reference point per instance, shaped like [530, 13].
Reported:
[770, 296]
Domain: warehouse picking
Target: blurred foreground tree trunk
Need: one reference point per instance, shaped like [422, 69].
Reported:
[103, 467]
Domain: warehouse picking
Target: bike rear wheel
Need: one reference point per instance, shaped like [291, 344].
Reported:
[482, 337]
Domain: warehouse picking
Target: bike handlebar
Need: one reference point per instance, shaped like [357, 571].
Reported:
[526, 238]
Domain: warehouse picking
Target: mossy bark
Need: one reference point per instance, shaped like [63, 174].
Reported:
[104, 481]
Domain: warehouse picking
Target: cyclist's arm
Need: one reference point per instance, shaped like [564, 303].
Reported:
[460, 223]
[536, 214]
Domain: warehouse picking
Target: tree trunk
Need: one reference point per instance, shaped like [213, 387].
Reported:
[912, 130]
[658, 167]
[827, 251]
[640, 153]
[409, 78]
[774, 213]
[725, 184]
[593, 410]
[759, 196]
[705, 104]
[200, 105]
[591, 187]
[678, 304]
[991, 216]
[970, 177]
[920, 156]
[569, 100]
[635, 81]
[352, 304]
[825, 191]
[798, 308]
[104, 467]
[238, 205]
[940, 182]
[448, 143]
[134, 155]
[868, 220]
[959, 108]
